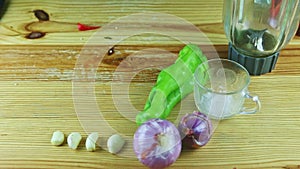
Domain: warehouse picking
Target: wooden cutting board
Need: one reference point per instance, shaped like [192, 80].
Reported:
[37, 84]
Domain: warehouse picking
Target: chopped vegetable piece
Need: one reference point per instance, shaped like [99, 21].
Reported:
[83, 27]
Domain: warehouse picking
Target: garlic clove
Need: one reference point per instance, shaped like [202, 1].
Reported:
[115, 143]
[91, 140]
[73, 140]
[58, 138]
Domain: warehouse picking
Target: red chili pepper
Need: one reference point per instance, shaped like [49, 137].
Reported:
[82, 27]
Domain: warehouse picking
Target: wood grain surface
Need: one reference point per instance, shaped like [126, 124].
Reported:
[37, 89]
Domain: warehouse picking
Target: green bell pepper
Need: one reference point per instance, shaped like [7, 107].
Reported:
[173, 84]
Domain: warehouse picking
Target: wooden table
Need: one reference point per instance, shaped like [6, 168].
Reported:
[37, 93]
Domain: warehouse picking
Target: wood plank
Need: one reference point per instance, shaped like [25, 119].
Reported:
[58, 63]
[205, 15]
[32, 110]
[37, 94]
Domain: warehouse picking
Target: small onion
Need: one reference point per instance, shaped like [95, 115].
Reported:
[195, 130]
[157, 143]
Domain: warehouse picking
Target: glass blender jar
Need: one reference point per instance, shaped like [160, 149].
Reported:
[258, 29]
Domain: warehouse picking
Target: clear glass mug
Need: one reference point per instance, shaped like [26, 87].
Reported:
[221, 88]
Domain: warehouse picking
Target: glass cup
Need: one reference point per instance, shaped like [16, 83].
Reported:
[221, 87]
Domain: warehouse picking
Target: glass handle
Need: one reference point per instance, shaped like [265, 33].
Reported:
[254, 99]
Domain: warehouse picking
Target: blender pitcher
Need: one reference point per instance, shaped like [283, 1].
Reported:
[258, 29]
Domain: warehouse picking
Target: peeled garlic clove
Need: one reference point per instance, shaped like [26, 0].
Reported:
[58, 138]
[115, 143]
[91, 140]
[73, 140]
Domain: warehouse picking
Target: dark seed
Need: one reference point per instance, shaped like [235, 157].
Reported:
[35, 35]
[41, 15]
[111, 51]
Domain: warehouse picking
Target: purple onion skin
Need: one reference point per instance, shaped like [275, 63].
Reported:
[157, 143]
[195, 130]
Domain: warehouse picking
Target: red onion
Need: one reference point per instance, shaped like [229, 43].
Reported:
[195, 129]
[157, 143]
